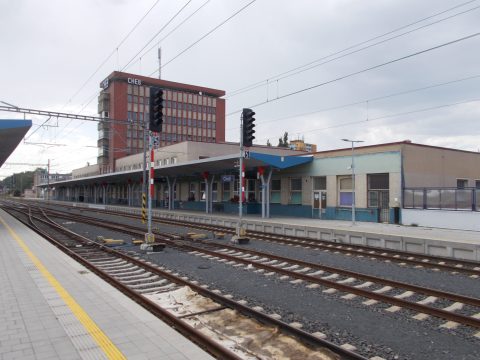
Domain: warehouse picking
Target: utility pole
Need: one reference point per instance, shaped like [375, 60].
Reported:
[144, 176]
[48, 180]
[353, 175]
[159, 62]
[246, 138]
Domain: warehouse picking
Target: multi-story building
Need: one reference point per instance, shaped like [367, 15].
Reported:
[42, 177]
[302, 146]
[191, 112]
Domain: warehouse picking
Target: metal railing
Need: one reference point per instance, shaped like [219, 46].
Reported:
[466, 199]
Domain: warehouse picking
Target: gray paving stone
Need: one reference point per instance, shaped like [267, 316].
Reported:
[31, 309]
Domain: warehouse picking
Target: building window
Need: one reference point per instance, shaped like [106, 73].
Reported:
[192, 192]
[214, 191]
[345, 191]
[296, 191]
[202, 191]
[226, 191]
[462, 183]
[477, 184]
[275, 191]
[378, 186]
[251, 190]
[320, 183]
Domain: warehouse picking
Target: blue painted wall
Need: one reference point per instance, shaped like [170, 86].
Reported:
[331, 213]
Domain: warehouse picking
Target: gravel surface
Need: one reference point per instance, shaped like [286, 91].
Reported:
[445, 281]
[371, 329]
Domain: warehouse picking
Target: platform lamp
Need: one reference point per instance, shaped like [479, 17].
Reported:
[353, 176]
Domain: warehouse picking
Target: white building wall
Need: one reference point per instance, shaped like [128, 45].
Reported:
[463, 220]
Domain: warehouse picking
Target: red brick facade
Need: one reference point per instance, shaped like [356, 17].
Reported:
[191, 112]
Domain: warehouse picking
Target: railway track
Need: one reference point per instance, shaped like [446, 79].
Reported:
[226, 328]
[329, 279]
[466, 267]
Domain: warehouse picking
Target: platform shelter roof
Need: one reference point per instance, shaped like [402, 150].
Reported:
[219, 165]
[12, 132]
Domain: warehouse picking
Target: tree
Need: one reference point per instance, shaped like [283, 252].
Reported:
[283, 142]
[268, 143]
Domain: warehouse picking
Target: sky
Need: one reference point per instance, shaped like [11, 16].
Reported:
[376, 71]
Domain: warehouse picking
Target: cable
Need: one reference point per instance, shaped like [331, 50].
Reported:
[390, 116]
[370, 100]
[172, 31]
[89, 99]
[273, 78]
[361, 71]
[158, 32]
[114, 50]
[204, 36]
[358, 50]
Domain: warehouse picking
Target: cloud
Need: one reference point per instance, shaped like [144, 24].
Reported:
[52, 47]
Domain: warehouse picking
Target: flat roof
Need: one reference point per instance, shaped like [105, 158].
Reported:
[12, 132]
[405, 142]
[118, 75]
[219, 165]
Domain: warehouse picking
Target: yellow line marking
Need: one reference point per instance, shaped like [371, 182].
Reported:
[110, 350]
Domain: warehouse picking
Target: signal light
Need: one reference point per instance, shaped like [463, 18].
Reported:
[156, 109]
[248, 125]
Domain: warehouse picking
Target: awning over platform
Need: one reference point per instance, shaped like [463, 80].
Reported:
[11, 133]
[219, 165]
[281, 162]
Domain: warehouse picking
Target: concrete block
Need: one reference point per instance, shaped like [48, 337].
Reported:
[393, 244]
[373, 241]
[462, 253]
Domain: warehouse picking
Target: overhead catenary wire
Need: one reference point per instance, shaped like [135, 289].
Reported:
[155, 46]
[93, 96]
[388, 116]
[365, 101]
[311, 63]
[115, 50]
[361, 71]
[158, 32]
[205, 35]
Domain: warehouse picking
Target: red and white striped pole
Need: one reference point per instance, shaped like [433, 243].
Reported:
[151, 176]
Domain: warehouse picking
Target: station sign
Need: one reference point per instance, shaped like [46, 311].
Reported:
[104, 84]
[134, 81]
[228, 178]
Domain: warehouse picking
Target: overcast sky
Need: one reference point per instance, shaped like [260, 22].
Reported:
[51, 48]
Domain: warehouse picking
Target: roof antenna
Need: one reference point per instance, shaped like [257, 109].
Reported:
[159, 62]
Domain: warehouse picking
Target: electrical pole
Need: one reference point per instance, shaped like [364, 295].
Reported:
[48, 180]
[159, 62]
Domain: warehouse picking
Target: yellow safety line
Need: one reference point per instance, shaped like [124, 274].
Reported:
[110, 350]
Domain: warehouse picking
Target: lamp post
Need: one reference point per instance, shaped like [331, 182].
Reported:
[353, 176]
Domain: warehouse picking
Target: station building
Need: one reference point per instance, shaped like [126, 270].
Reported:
[394, 182]
[192, 113]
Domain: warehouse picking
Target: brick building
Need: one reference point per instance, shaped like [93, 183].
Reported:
[191, 113]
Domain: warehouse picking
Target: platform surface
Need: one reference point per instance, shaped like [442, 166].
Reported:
[54, 308]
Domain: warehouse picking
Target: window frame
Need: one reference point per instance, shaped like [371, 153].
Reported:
[465, 185]
[294, 193]
[341, 191]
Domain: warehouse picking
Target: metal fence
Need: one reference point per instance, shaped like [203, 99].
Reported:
[442, 198]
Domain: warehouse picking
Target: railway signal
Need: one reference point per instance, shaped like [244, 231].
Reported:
[248, 125]
[156, 109]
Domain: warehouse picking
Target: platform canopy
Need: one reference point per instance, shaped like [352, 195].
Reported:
[11, 133]
[219, 165]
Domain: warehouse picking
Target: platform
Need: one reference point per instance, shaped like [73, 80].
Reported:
[54, 308]
[462, 244]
